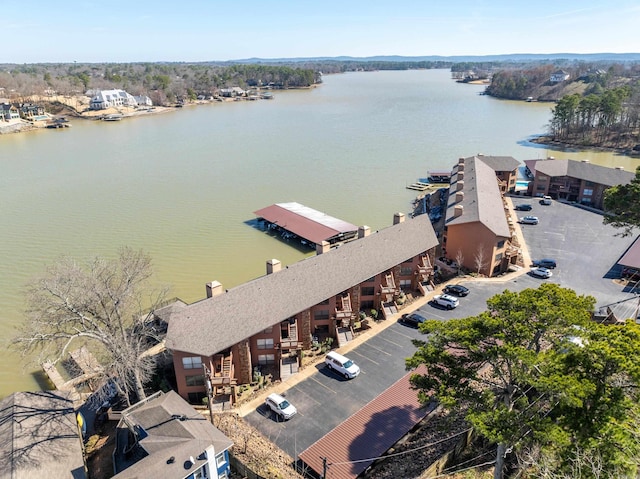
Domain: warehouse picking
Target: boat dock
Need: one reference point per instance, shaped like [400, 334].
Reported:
[419, 186]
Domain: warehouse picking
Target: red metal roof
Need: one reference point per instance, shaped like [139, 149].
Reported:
[353, 446]
[305, 222]
[631, 257]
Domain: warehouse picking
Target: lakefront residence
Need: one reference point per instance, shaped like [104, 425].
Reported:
[264, 326]
[574, 181]
[103, 99]
[478, 234]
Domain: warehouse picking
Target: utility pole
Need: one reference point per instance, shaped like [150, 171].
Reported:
[207, 383]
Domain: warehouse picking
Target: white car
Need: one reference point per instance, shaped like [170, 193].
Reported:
[529, 220]
[279, 405]
[446, 300]
[342, 365]
[542, 272]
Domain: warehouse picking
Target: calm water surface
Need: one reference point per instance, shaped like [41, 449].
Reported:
[183, 185]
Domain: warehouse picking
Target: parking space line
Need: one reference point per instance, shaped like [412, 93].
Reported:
[378, 349]
[393, 342]
[323, 385]
[364, 357]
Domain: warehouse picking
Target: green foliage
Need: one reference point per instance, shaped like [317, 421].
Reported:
[622, 203]
[523, 380]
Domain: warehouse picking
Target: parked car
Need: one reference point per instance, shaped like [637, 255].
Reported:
[456, 290]
[546, 200]
[541, 272]
[523, 207]
[529, 220]
[342, 365]
[413, 319]
[279, 405]
[446, 300]
[545, 263]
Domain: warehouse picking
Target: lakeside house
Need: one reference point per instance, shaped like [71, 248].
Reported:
[103, 99]
[265, 324]
[40, 436]
[477, 230]
[8, 112]
[164, 437]
[559, 76]
[572, 180]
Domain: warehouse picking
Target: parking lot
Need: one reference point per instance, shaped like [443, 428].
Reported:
[586, 252]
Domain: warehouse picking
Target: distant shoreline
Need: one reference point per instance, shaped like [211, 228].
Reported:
[549, 141]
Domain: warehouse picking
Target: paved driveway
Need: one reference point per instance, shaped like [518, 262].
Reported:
[586, 252]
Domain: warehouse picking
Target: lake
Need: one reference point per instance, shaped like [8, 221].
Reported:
[183, 185]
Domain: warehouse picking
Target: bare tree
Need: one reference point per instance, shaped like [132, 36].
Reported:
[101, 305]
[479, 260]
[459, 260]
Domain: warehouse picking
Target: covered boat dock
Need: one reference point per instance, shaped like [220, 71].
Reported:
[293, 221]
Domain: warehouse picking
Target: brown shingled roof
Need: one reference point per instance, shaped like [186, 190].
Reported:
[353, 446]
[214, 324]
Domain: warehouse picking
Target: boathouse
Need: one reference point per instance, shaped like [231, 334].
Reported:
[294, 221]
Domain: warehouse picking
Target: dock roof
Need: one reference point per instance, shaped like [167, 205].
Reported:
[217, 323]
[310, 224]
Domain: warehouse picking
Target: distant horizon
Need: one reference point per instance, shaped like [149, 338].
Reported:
[595, 56]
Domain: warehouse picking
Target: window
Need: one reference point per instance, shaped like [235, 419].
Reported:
[542, 178]
[406, 271]
[196, 398]
[500, 244]
[541, 187]
[194, 362]
[405, 283]
[321, 314]
[367, 291]
[266, 359]
[498, 256]
[220, 460]
[589, 183]
[587, 192]
[195, 380]
[268, 330]
[265, 343]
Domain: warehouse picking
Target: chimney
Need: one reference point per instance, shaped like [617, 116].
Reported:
[322, 247]
[460, 176]
[273, 266]
[363, 231]
[398, 218]
[460, 185]
[459, 196]
[458, 210]
[213, 289]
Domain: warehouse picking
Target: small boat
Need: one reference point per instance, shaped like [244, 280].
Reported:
[113, 117]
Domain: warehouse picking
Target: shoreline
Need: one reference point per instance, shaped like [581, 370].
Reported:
[548, 141]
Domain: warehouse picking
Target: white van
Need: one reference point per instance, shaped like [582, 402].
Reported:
[342, 365]
[546, 200]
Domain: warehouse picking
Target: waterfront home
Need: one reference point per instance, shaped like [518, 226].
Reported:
[477, 233]
[8, 112]
[30, 111]
[104, 99]
[163, 437]
[558, 76]
[143, 100]
[264, 325]
[573, 180]
[40, 436]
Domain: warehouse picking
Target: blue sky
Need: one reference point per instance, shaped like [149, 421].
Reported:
[200, 30]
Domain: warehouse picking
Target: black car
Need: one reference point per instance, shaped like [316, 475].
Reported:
[456, 290]
[414, 319]
[545, 263]
[523, 207]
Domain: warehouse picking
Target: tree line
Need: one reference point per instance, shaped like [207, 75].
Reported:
[165, 83]
[611, 118]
